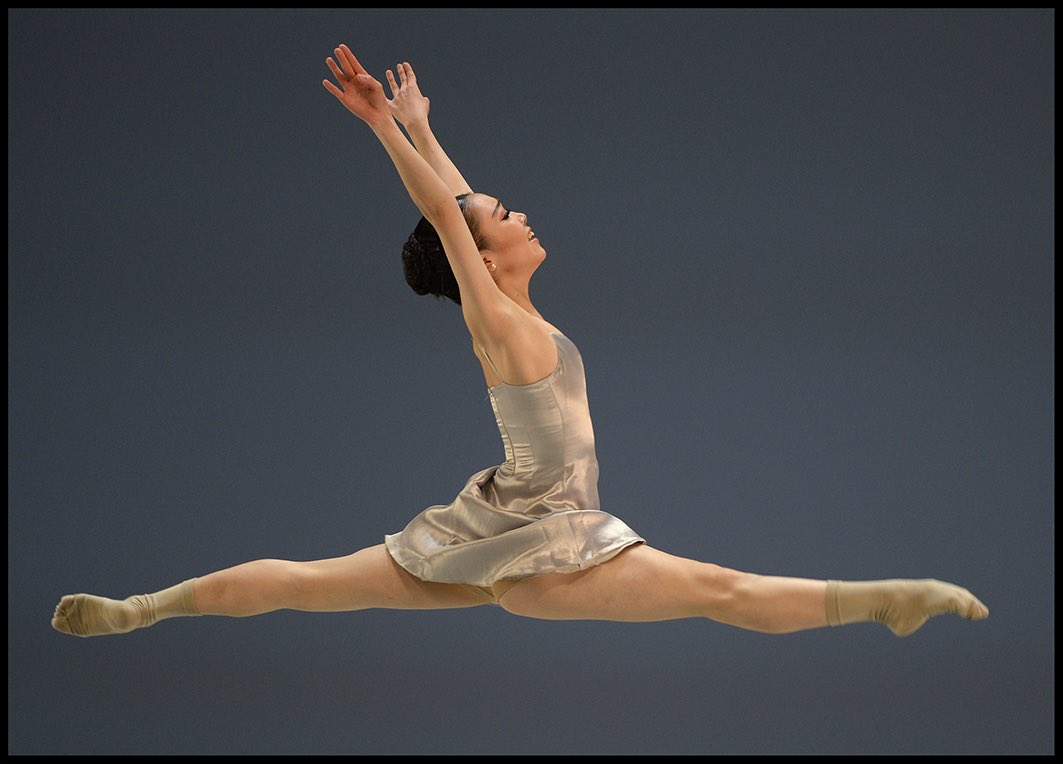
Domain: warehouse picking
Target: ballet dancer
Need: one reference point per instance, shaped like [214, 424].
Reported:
[527, 535]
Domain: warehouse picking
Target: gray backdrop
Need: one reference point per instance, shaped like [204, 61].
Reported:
[807, 257]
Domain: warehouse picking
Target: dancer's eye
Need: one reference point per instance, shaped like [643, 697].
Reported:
[506, 215]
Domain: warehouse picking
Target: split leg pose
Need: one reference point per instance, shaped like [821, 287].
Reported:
[639, 584]
[636, 583]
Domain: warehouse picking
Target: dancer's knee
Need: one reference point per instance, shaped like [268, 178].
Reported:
[724, 592]
[752, 601]
[247, 589]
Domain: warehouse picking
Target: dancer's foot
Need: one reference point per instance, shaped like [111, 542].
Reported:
[86, 615]
[903, 605]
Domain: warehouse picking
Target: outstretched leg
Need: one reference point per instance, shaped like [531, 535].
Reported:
[645, 584]
[369, 578]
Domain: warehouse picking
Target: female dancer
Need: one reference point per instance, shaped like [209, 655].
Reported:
[527, 535]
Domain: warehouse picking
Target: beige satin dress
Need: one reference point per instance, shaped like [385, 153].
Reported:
[536, 513]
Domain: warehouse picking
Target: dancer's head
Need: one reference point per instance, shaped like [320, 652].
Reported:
[501, 236]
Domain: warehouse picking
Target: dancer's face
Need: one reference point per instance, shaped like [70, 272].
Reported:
[510, 244]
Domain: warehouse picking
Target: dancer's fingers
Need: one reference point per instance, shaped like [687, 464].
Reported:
[332, 89]
[356, 67]
[341, 64]
[335, 69]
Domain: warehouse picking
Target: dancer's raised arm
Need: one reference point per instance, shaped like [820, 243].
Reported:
[483, 304]
[410, 107]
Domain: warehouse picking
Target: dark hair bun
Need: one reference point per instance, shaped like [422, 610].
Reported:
[426, 266]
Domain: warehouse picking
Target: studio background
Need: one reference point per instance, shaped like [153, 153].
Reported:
[807, 257]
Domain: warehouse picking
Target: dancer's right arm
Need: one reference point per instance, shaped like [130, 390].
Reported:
[410, 107]
[363, 96]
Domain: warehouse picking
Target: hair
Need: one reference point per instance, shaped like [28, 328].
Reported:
[425, 263]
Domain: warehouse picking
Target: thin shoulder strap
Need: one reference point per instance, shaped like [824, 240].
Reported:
[495, 369]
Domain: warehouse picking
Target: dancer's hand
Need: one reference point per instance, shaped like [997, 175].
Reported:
[407, 105]
[361, 94]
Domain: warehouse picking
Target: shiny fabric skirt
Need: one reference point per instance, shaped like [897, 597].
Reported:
[473, 541]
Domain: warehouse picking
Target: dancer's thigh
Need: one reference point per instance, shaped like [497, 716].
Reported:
[638, 584]
[371, 578]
